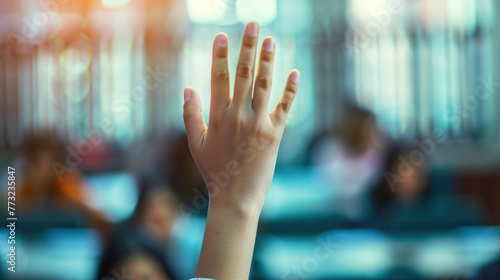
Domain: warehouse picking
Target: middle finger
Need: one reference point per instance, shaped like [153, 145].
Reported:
[243, 86]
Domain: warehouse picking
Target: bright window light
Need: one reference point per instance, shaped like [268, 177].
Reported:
[114, 4]
[262, 11]
[208, 11]
[364, 11]
[462, 14]
[222, 11]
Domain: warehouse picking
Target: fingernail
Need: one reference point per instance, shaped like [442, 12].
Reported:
[221, 41]
[269, 44]
[253, 29]
[187, 95]
[295, 76]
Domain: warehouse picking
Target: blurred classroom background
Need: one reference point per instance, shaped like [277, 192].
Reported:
[389, 167]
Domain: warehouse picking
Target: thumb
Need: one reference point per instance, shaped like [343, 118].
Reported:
[193, 119]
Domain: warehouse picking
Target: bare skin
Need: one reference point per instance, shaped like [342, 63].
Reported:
[236, 153]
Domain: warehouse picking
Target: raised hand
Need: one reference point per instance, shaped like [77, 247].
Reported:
[236, 153]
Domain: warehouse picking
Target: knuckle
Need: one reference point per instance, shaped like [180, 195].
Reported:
[267, 56]
[221, 76]
[186, 111]
[249, 43]
[244, 70]
[237, 121]
[291, 87]
[280, 118]
[189, 113]
[265, 135]
[284, 106]
[264, 83]
[187, 116]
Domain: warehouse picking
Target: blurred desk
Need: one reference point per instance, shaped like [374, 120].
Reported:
[367, 254]
[301, 202]
[298, 193]
[113, 194]
[300, 216]
[58, 254]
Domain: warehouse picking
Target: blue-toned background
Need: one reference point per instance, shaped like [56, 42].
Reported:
[389, 167]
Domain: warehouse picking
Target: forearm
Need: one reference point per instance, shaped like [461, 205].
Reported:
[241, 145]
[229, 242]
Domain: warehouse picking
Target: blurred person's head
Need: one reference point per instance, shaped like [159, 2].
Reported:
[40, 188]
[133, 255]
[38, 152]
[407, 180]
[156, 208]
[181, 170]
[400, 180]
[357, 130]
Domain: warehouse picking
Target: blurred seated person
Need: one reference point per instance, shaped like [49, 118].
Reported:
[403, 197]
[156, 216]
[182, 174]
[176, 164]
[394, 186]
[490, 271]
[155, 211]
[40, 189]
[133, 255]
[351, 158]
[170, 165]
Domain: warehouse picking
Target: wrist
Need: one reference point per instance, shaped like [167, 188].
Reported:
[240, 209]
[231, 229]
